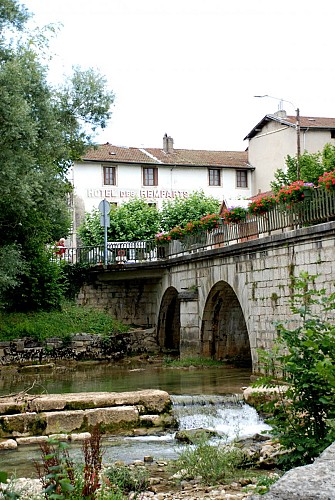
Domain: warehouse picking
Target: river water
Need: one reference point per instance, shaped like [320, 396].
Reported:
[202, 398]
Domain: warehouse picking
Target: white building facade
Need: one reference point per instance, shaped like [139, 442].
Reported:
[119, 174]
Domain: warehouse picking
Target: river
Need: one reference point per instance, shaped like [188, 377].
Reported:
[208, 397]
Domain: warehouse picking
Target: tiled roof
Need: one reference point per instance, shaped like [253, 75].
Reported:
[306, 122]
[109, 153]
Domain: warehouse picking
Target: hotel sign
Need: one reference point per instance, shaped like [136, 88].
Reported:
[140, 193]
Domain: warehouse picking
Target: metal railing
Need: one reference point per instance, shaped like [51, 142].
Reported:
[319, 207]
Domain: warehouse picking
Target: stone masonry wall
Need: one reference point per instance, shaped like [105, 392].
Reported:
[130, 301]
[79, 347]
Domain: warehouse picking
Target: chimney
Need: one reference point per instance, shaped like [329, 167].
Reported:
[281, 113]
[167, 144]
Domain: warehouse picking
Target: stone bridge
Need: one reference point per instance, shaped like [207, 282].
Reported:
[220, 303]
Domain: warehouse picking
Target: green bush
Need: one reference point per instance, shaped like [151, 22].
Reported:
[123, 479]
[71, 319]
[214, 464]
[304, 357]
[41, 285]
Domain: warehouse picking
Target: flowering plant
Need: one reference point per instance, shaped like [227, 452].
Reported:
[163, 237]
[262, 204]
[206, 223]
[327, 180]
[176, 233]
[210, 221]
[294, 192]
[234, 214]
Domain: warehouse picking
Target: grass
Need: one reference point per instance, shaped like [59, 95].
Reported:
[187, 362]
[213, 464]
[217, 464]
[70, 320]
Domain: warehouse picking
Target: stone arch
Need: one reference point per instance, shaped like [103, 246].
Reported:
[224, 333]
[168, 326]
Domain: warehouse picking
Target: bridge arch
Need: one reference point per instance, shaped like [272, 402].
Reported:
[168, 325]
[224, 333]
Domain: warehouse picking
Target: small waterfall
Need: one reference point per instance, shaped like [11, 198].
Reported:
[228, 415]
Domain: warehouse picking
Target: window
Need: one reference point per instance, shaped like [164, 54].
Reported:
[214, 175]
[241, 178]
[109, 176]
[150, 176]
[332, 134]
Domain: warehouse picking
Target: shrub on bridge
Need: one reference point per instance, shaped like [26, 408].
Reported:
[304, 419]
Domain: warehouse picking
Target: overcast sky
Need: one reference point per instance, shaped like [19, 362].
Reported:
[190, 68]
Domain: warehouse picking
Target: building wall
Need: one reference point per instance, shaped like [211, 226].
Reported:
[89, 189]
[267, 152]
[269, 148]
[314, 140]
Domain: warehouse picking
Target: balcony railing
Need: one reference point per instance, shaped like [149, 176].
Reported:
[316, 209]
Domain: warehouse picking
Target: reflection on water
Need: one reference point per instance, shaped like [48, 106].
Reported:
[98, 377]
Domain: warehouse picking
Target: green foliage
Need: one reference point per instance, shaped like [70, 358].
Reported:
[133, 221]
[90, 231]
[136, 220]
[56, 471]
[304, 357]
[261, 204]
[234, 214]
[74, 277]
[69, 320]
[214, 464]
[264, 482]
[42, 131]
[180, 211]
[9, 491]
[312, 166]
[11, 266]
[58, 475]
[328, 157]
[124, 480]
[40, 285]
[86, 98]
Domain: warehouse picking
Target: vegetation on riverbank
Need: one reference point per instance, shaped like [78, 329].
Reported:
[303, 417]
[201, 468]
[71, 319]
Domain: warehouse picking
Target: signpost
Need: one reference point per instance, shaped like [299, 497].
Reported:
[105, 208]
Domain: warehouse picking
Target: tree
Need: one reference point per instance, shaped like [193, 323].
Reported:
[180, 211]
[312, 166]
[132, 221]
[42, 130]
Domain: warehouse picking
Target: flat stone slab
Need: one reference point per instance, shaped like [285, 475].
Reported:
[41, 415]
[153, 401]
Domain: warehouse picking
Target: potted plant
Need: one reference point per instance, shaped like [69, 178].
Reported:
[234, 214]
[297, 191]
[262, 203]
[209, 222]
[327, 181]
[163, 237]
